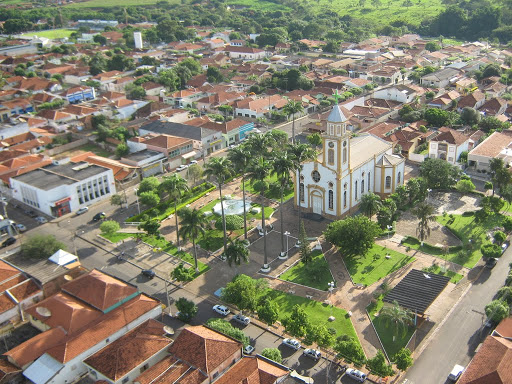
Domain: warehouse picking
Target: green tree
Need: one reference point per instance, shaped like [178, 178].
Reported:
[41, 246]
[399, 318]
[116, 200]
[465, 186]
[500, 175]
[182, 274]
[214, 75]
[492, 204]
[320, 334]
[268, 312]
[354, 236]
[292, 108]
[122, 150]
[304, 250]
[282, 168]
[223, 326]
[175, 186]
[378, 365]
[237, 252]
[109, 227]
[169, 79]
[499, 237]
[120, 62]
[148, 184]
[432, 46]
[490, 251]
[149, 198]
[439, 174]
[437, 117]
[259, 170]
[470, 116]
[497, 310]
[403, 359]
[315, 140]
[135, 92]
[349, 348]
[387, 213]
[151, 227]
[297, 323]
[240, 157]
[195, 172]
[425, 214]
[507, 223]
[245, 292]
[491, 123]
[221, 169]
[187, 309]
[505, 294]
[193, 224]
[370, 203]
[273, 354]
[226, 109]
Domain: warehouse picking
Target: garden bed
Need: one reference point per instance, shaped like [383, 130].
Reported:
[316, 274]
[436, 269]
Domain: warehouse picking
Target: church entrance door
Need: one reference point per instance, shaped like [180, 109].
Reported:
[317, 204]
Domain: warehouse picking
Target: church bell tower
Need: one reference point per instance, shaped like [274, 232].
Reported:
[336, 140]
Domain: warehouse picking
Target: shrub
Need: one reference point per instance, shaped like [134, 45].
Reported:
[272, 354]
[222, 326]
[232, 222]
[507, 223]
[348, 348]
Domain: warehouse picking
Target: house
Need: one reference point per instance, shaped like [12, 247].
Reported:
[258, 107]
[400, 93]
[149, 162]
[445, 101]
[464, 85]
[448, 145]
[79, 94]
[174, 148]
[441, 78]
[497, 145]
[123, 173]
[184, 98]
[494, 107]
[87, 313]
[473, 100]
[233, 131]
[245, 53]
[15, 107]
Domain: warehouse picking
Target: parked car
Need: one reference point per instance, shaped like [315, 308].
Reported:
[292, 343]
[192, 162]
[99, 216]
[312, 353]
[82, 210]
[41, 219]
[31, 213]
[356, 375]
[182, 167]
[8, 241]
[148, 273]
[504, 246]
[21, 227]
[221, 309]
[491, 262]
[239, 318]
[456, 372]
[248, 349]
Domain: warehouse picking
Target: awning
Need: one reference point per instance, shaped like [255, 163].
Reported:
[189, 155]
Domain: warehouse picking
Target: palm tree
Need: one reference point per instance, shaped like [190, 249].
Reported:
[239, 157]
[283, 166]
[259, 170]
[237, 252]
[370, 203]
[300, 153]
[425, 213]
[175, 186]
[258, 145]
[193, 224]
[221, 169]
[399, 317]
[291, 108]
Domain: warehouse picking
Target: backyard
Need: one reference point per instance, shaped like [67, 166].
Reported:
[376, 264]
[315, 274]
[51, 33]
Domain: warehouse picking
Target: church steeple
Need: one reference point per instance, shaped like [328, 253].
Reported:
[336, 139]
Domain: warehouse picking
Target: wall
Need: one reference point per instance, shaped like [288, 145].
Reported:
[416, 157]
[66, 147]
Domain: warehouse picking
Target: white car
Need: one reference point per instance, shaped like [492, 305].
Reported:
[82, 210]
[292, 343]
[248, 349]
[312, 353]
[456, 372]
[41, 219]
[192, 162]
[21, 227]
[356, 375]
[239, 318]
[182, 167]
[221, 310]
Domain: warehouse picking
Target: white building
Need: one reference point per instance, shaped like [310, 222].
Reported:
[59, 189]
[137, 37]
[448, 145]
[400, 93]
[346, 169]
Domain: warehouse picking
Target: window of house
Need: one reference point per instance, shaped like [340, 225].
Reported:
[330, 156]
[301, 192]
[355, 190]
[362, 187]
[369, 181]
[399, 178]
[345, 199]
[331, 199]
[388, 181]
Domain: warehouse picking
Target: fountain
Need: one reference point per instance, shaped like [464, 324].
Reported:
[232, 207]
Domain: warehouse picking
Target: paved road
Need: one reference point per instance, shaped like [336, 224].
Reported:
[455, 342]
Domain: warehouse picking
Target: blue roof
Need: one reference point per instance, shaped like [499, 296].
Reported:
[336, 116]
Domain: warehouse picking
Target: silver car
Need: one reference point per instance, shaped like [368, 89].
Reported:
[356, 375]
[221, 309]
[292, 343]
[312, 353]
[41, 219]
[239, 318]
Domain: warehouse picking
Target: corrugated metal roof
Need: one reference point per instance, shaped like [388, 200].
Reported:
[43, 369]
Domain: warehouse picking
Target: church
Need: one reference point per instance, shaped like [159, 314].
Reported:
[348, 167]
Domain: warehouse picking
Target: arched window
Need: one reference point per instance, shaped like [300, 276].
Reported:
[301, 192]
[399, 177]
[362, 187]
[369, 181]
[331, 199]
[388, 181]
[330, 156]
[345, 199]
[355, 190]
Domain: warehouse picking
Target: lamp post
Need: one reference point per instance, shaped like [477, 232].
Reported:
[137, 198]
[330, 289]
[389, 227]
[284, 254]
[428, 193]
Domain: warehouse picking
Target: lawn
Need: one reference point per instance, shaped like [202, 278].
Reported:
[374, 266]
[315, 274]
[96, 149]
[118, 236]
[112, 3]
[273, 192]
[386, 331]
[454, 276]
[465, 228]
[318, 313]
[51, 33]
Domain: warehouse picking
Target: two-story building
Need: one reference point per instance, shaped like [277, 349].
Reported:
[448, 145]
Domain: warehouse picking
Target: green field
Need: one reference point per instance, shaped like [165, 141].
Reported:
[315, 274]
[112, 3]
[374, 266]
[52, 33]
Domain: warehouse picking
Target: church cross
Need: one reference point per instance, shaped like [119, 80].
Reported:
[336, 96]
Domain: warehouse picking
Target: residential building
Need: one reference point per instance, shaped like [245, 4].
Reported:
[473, 100]
[59, 189]
[497, 145]
[400, 93]
[448, 145]
[177, 150]
[79, 94]
[441, 78]
[149, 162]
[245, 53]
[259, 107]
[232, 131]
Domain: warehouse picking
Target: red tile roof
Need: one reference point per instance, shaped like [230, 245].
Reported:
[504, 328]
[7, 271]
[252, 370]
[450, 136]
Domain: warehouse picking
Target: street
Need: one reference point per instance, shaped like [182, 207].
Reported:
[456, 340]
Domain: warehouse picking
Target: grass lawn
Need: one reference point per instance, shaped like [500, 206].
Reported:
[316, 274]
[272, 193]
[454, 276]
[118, 236]
[318, 313]
[52, 33]
[96, 149]
[374, 266]
[111, 3]
[386, 331]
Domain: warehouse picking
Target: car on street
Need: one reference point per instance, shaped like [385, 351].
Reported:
[148, 273]
[21, 227]
[31, 213]
[41, 219]
[221, 309]
[182, 167]
[312, 354]
[456, 372]
[99, 216]
[8, 241]
[292, 343]
[248, 349]
[356, 375]
[491, 262]
[504, 247]
[192, 162]
[239, 318]
[82, 211]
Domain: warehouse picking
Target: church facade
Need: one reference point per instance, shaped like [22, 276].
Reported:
[346, 169]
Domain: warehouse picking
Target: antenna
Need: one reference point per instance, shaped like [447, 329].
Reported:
[43, 311]
[68, 277]
[168, 330]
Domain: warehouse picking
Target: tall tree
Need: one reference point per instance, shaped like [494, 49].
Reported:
[400, 318]
[221, 169]
[259, 170]
[499, 173]
[425, 214]
[283, 166]
[370, 203]
[193, 224]
[291, 108]
[175, 186]
[239, 157]
[354, 236]
[237, 252]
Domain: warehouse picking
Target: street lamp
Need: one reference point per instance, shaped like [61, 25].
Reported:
[137, 198]
[284, 254]
[428, 193]
[330, 289]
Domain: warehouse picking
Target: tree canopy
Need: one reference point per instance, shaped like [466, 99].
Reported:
[438, 173]
[354, 236]
[41, 246]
